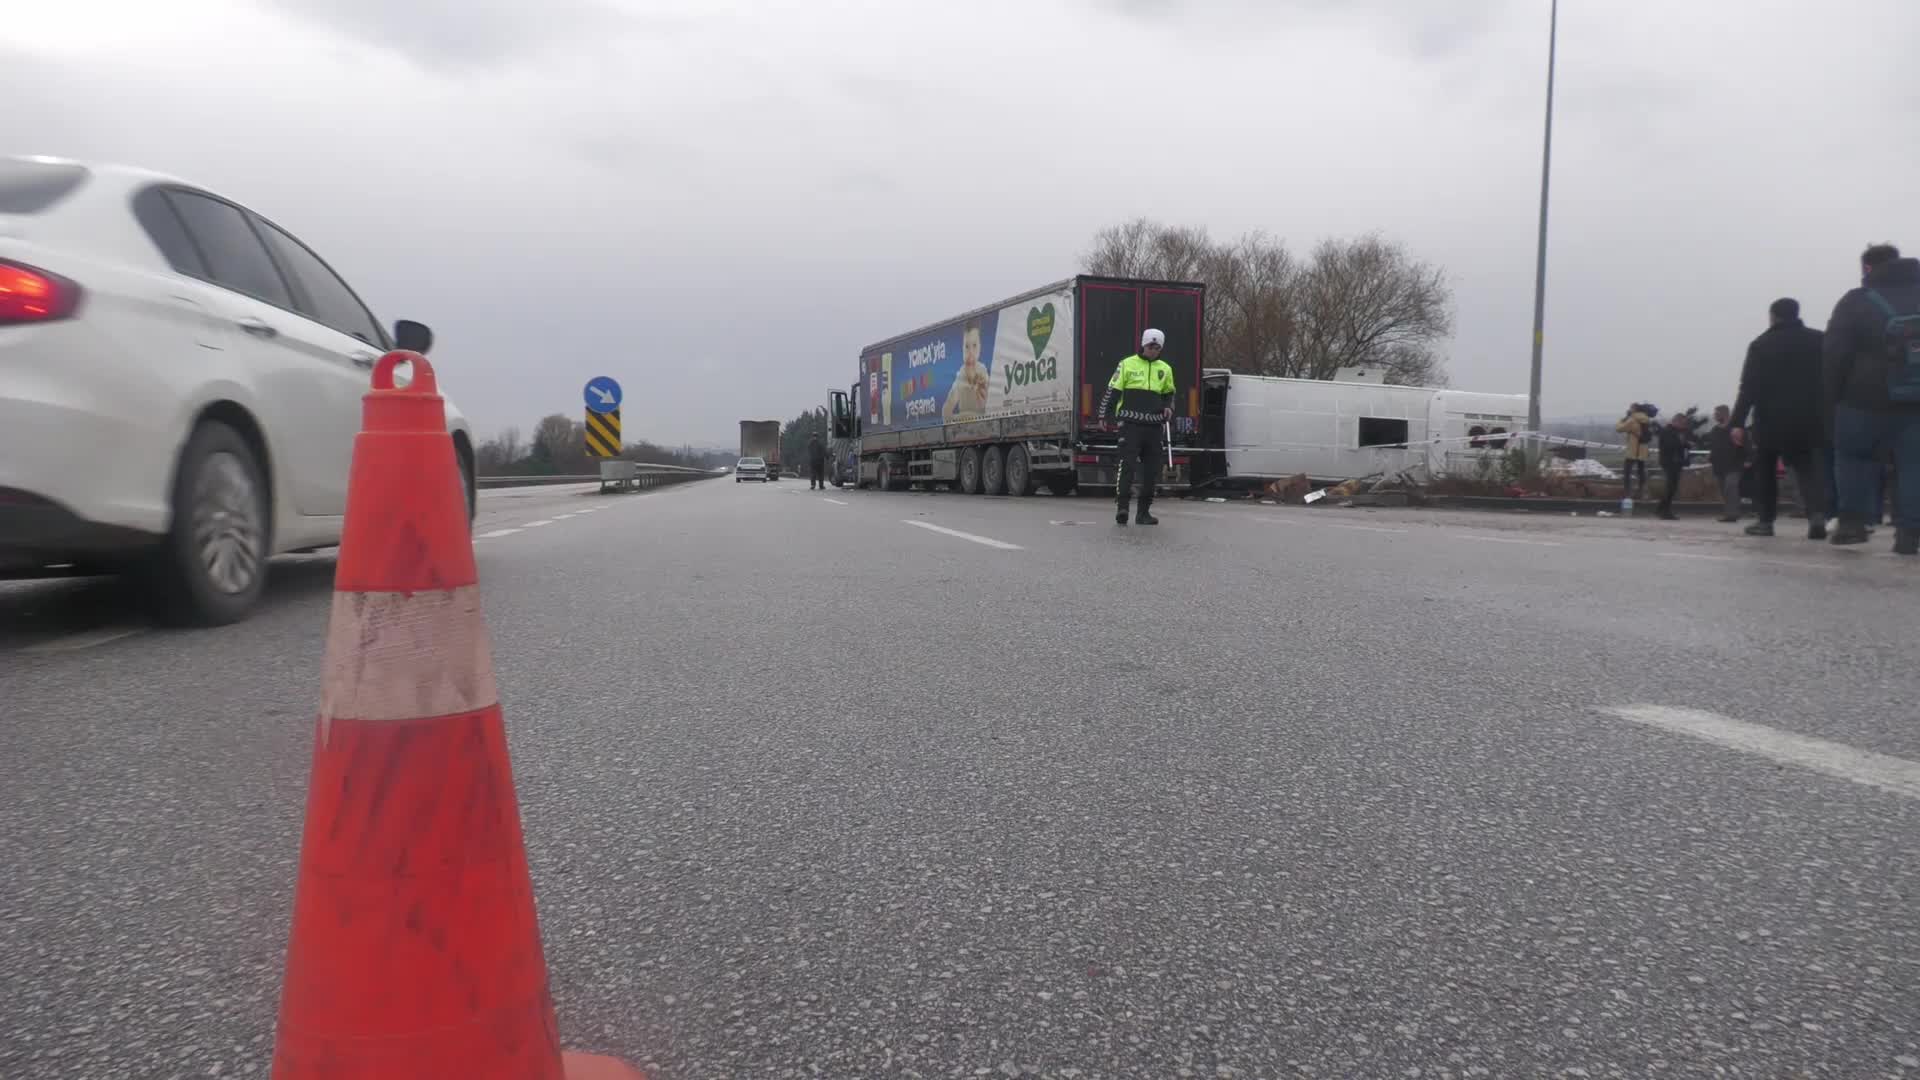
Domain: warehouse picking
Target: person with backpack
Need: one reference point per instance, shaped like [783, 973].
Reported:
[1637, 426]
[1872, 361]
[1780, 385]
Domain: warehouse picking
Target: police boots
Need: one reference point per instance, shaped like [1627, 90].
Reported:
[1145, 518]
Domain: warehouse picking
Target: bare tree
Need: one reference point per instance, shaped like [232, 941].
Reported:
[1147, 249]
[512, 446]
[1251, 306]
[1368, 303]
[560, 444]
[1356, 303]
[497, 456]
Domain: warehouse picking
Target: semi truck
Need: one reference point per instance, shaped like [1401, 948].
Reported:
[761, 439]
[1003, 399]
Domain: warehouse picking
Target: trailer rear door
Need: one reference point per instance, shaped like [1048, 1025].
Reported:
[1112, 316]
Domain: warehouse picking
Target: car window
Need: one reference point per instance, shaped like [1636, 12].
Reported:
[234, 254]
[29, 187]
[325, 298]
[168, 233]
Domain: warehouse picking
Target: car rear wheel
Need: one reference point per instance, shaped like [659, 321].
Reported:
[467, 485]
[212, 566]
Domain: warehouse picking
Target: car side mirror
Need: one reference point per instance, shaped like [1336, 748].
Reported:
[412, 336]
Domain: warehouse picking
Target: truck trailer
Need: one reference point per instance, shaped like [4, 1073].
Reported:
[1001, 400]
[761, 439]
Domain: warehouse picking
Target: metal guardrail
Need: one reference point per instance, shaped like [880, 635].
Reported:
[655, 474]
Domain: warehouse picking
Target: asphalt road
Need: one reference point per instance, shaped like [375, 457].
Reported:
[814, 788]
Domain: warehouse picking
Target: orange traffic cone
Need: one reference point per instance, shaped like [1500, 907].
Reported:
[415, 949]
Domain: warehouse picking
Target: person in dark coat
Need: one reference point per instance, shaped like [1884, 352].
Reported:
[816, 463]
[1675, 440]
[1780, 385]
[1728, 460]
[1869, 417]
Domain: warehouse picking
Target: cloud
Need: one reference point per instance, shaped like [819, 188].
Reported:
[720, 201]
[465, 35]
[1429, 29]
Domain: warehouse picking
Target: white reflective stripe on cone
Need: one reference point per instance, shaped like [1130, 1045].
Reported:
[404, 656]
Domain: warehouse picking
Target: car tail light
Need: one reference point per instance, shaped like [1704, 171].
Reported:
[29, 295]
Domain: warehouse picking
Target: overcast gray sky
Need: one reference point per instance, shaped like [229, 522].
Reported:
[719, 201]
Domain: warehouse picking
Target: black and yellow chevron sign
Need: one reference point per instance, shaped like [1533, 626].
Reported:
[603, 434]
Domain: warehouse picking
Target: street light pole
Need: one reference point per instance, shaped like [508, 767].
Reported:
[1540, 265]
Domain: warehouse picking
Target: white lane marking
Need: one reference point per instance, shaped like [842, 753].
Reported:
[561, 517]
[836, 502]
[496, 533]
[1505, 540]
[1898, 775]
[1363, 528]
[988, 541]
[536, 524]
[86, 640]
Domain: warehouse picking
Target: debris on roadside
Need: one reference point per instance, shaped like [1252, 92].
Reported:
[1293, 489]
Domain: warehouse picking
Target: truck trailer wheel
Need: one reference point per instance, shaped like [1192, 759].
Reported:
[1019, 472]
[970, 471]
[993, 470]
[885, 482]
[1062, 485]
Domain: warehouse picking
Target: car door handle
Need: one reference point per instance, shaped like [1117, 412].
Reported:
[364, 359]
[258, 327]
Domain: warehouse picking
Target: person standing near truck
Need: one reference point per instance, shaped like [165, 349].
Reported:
[816, 462]
[1140, 396]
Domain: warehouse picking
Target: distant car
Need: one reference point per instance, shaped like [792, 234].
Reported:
[750, 468]
[180, 385]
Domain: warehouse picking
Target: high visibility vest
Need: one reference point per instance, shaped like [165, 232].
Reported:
[1140, 390]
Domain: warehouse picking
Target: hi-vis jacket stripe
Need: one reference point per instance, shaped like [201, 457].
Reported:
[1142, 388]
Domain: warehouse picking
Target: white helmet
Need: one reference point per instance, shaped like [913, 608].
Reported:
[1153, 337]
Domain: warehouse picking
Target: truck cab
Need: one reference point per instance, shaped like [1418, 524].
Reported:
[843, 437]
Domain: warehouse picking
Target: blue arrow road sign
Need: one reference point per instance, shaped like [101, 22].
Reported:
[602, 394]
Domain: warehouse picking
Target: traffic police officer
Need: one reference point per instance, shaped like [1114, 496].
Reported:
[1140, 395]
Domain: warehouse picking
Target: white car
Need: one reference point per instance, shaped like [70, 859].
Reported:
[180, 385]
[750, 468]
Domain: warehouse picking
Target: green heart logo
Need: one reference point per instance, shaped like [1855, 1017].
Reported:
[1039, 328]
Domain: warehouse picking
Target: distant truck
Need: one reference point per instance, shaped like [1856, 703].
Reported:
[761, 439]
[1001, 400]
